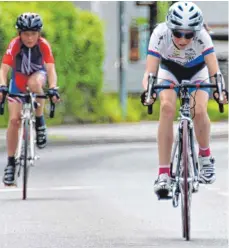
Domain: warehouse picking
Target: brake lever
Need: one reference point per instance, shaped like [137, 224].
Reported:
[219, 85]
[151, 78]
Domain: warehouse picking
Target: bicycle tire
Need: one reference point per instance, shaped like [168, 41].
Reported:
[25, 162]
[185, 203]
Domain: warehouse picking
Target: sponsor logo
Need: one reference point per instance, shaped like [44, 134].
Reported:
[160, 39]
[190, 54]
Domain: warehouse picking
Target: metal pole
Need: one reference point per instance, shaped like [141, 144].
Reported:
[122, 60]
[152, 16]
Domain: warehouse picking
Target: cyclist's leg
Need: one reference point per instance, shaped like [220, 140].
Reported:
[36, 83]
[14, 106]
[165, 130]
[202, 128]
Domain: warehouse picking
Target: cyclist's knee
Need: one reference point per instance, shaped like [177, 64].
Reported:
[200, 111]
[36, 82]
[35, 86]
[14, 122]
[168, 109]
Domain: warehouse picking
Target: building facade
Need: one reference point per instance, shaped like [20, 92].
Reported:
[215, 14]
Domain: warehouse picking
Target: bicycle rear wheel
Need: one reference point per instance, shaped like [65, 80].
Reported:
[185, 192]
[25, 158]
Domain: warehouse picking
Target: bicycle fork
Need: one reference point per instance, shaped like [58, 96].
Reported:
[31, 145]
[177, 180]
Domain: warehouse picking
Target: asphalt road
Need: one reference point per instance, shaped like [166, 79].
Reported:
[101, 197]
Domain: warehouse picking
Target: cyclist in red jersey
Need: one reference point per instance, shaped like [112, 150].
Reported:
[31, 60]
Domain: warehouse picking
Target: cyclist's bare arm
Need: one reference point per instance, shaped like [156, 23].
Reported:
[152, 64]
[212, 63]
[213, 68]
[51, 73]
[52, 79]
[4, 70]
[3, 77]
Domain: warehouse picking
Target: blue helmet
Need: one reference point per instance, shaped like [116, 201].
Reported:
[29, 22]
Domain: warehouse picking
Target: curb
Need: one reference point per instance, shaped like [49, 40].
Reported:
[109, 140]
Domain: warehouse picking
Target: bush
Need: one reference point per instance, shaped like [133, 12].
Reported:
[76, 38]
[137, 112]
[109, 111]
[162, 9]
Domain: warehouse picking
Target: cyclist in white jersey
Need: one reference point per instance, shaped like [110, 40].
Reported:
[181, 49]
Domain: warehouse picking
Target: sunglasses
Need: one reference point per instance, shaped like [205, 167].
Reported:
[179, 34]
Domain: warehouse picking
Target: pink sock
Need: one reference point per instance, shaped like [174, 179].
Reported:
[163, 170]
[204, 152]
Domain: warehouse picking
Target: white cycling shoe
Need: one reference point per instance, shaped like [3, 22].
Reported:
[162, 185]
[207, 170]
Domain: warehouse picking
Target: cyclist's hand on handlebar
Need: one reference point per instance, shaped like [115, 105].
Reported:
[225, 96]
[54, 95]
[144, 97]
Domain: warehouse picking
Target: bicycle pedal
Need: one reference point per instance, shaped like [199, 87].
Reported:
[14, 185]
[164, 195]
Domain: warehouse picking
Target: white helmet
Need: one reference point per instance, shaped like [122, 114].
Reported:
[184, 15]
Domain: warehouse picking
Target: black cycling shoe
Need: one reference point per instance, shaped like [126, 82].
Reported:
[9, 175]
[41, 137]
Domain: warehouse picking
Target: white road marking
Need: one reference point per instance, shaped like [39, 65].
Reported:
[63, 188]
[223, 193]
[217, 190]
[212, 188]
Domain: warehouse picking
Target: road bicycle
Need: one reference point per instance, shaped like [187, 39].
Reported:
[26, 153]
[184, 167]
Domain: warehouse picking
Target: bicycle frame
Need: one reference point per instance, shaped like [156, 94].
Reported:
[27, 113]
[185, 114]
[27, 116]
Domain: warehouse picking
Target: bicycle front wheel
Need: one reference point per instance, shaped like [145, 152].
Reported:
[185, 193]
[25, 158]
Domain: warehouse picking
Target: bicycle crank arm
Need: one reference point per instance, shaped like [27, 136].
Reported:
[175, 195]
[190, 180]
[195, 187]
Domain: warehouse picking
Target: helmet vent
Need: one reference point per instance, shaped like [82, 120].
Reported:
[194, 24]
[194, 16]
[176, 23]
[180, 8]
[177, 15]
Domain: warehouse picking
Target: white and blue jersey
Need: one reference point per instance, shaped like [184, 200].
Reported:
[176, 64]
[162, 46]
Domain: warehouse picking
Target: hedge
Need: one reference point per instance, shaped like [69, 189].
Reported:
[76, 38]
[162, 9]
[137, 112]
[110, 111]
